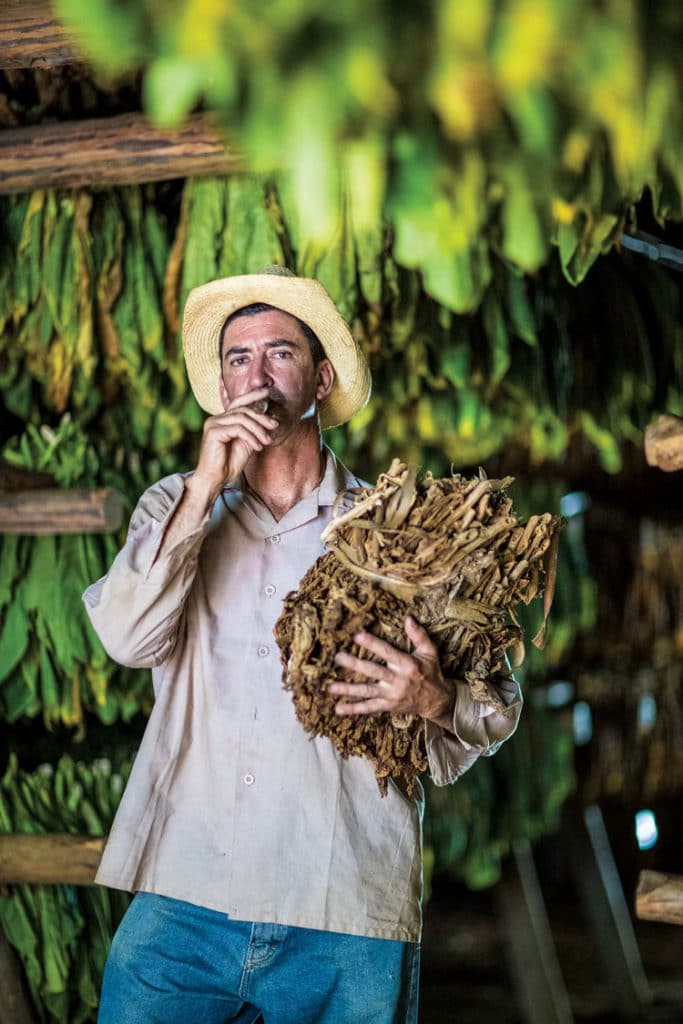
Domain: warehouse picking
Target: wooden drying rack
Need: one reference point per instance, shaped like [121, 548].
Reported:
[121, 150]
[29, 505]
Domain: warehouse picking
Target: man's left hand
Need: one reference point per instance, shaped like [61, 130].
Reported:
[407, 683]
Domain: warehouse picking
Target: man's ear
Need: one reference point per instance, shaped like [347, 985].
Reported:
[225, 401]
[326, 378]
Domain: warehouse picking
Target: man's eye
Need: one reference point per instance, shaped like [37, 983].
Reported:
[283, 353]
[237, 361]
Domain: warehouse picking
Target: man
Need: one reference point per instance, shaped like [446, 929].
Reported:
[271, 877]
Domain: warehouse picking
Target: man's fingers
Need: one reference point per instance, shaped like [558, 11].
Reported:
[357, 690]
[419, 638]
[382, 649]
[246, 415]
[257, 395]
[366, 668]
[239, 432]
[229, 427]
[251, 404]
[363, 707]
[264, 418]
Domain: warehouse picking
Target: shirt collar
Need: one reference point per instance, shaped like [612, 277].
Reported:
[336, 480]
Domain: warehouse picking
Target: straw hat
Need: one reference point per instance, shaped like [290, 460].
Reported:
[208, 306]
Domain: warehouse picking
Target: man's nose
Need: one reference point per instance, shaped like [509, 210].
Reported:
[260, 372]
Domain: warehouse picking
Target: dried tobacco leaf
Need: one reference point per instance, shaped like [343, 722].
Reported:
[449, 551]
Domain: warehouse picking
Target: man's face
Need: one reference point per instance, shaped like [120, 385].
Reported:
[270, 350]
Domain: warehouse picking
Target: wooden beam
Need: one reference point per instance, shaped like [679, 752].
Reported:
[49, 859]
[659, 897]
[121, 150]
[664, 443]
[31, 36]
[61, 511]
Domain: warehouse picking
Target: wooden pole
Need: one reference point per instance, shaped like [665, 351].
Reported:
[659, 897]
[599, 886]
[530, 948]
[49, 859]
[57, 511]
[121, 150]
[31, 36]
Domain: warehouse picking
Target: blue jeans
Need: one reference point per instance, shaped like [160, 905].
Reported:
[174, 963]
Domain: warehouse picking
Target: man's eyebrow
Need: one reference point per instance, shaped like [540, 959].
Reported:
[276, 343]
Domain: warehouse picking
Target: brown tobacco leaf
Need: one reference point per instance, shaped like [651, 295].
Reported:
[450, 552]
[174, 266]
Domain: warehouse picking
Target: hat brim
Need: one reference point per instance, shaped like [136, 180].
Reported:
[209, 305]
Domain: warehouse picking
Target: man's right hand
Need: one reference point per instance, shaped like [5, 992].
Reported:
[228, 442]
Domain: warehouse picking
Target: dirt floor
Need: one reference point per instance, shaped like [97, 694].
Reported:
[466, 980]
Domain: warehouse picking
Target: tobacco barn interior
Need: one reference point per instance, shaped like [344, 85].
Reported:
[492, 194]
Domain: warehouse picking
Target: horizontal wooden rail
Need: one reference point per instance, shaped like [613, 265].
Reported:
[61, 511]
[31, 36]
[659, 897]
[49, 859]
[122, 150]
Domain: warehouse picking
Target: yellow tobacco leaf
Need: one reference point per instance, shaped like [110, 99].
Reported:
[463, 25]
[60, 371]
[368, 82]
[199, 29]
[463, 95]
[527, 44]
[365, 173]
[563, 211]
[576, 150]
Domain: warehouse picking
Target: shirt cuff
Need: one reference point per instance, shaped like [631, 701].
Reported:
[479, 729]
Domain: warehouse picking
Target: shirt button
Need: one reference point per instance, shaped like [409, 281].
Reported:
[270, 590]
[275, 539]
[248, 779]
[263, 651]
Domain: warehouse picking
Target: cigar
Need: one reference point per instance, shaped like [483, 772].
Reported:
[260, 406]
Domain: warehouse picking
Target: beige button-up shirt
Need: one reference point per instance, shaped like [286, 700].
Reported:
[230, 804]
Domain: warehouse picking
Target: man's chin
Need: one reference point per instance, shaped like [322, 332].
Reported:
[291, 431]
[290, 417]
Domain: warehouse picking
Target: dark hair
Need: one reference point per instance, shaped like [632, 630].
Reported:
[317, 351]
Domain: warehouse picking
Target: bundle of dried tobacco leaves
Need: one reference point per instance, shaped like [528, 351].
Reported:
[449, 551]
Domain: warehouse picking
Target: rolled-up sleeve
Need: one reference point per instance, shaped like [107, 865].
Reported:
[136, 608]
[479, 729]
